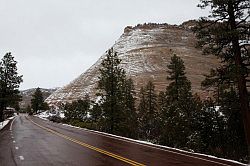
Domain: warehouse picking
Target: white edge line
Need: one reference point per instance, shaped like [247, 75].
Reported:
[12, 123]
[154, 146]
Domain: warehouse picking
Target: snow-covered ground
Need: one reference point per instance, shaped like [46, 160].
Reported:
[4, 123]
[45, 115]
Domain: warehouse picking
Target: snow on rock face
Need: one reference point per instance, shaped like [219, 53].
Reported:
[145, 51]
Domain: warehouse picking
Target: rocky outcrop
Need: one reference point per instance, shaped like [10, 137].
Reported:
[145, 51]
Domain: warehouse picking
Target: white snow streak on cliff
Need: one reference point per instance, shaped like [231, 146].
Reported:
[144, 53]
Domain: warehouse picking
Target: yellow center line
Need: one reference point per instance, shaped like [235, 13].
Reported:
[126, 160]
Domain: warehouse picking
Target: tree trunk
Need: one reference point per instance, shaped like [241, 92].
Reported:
[241, 80]
[244, 106]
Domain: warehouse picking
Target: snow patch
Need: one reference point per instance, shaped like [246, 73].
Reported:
[46, 114]
[4, 123]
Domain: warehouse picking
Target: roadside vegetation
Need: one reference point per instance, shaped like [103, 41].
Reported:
[175, 117]
[218, 125]
[37, 103]
[9, 85]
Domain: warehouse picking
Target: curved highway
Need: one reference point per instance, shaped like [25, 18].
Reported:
[30, 141]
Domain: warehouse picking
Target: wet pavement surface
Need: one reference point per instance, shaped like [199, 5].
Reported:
[35, 142]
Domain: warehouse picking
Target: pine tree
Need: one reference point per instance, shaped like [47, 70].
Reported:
[180, 86]
[180, 107]
[148, 126]
[77, 110]
[161, 101]
[130, 123]
[235, 146]
[112, 86]
[161, 107]
[224, 33]
[141, 112]
[37, 101]
[96, 116]
[9, 83]
[161, 104]
[230, 137]
[28, 110]
[211, 125]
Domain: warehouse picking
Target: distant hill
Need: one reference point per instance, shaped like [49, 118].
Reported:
[145, 51]
[27, 95]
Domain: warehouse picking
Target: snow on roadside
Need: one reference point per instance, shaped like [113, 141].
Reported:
[4, 123]
[161, 147]
[46, 114]
[145, 143]
[43, 115]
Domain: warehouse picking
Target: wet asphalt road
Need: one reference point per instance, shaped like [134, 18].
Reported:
[35, 142]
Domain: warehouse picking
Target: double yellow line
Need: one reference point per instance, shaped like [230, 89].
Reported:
[131, 162]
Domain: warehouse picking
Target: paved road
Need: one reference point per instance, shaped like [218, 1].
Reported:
[30, 141]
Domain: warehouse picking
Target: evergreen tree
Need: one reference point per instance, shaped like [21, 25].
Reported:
[224, 34]
[9, 83]
[77, 110]
[161, 102]
[211, 125]
[141, 112]
[28, 110]
[116, 94]
[45, 106]
[235, 146]
[148, 126]
[180, 86]
[95, 116]
[130, 123]
[37, 101]
[231, 138]
[95, 113]
[180, 107]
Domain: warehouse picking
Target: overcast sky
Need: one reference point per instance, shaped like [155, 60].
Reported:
[54, 41]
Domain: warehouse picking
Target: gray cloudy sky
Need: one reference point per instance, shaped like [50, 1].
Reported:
[54, 41]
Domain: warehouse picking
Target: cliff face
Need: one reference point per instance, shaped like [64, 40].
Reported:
[145, 51]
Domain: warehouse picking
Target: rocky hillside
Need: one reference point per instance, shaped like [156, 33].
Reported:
[145, 51]
[27, 95]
